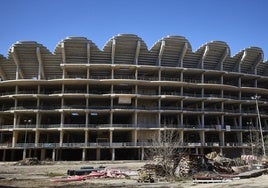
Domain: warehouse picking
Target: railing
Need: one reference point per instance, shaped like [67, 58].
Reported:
[119, 144]
[130, 77]
[6, 126]
[128, 125]
[150, 78]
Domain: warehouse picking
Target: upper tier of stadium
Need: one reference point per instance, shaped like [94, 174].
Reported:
[26, 57]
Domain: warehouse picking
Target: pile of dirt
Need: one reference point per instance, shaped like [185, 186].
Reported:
[29, 161]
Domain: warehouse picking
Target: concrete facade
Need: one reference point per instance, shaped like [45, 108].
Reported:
[82, 103]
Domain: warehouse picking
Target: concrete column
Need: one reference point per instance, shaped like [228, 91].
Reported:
[202, 151]
[86, 137]
[111, 137]
[61, 137]
[53, 154]
[182, 125]
[30, 153]
[202, 137]
[83, 154]
[113, 154]
[203, 120]
[87, 118]
[4, 155]
[222, 139]
[142, 153]
[111, 118]
[14, 138]
[134, 137]
[43, 154]
[136, 118]
[15, 121]
[37, 120]
[221, 151]
[181, 135]
[37, 136]
[159, 136]
[98, 154]
[239, 137]
[24, 153]
[61, 119]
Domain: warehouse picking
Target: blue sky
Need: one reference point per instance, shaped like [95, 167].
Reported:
[239, 23]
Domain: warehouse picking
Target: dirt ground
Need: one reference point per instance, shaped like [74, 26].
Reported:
[12, 175]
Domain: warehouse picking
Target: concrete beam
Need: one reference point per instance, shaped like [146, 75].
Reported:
[137, 52]
[41, 72]
[223, 58]
[113, 50]
[183, 53]
[88, 52]
[242, 60]
[19, 72]
[257, 62]
[161, 51]
[201, 62]
[63, 53]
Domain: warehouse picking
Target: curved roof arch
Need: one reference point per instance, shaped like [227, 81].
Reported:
[213, 55]
[170, 51]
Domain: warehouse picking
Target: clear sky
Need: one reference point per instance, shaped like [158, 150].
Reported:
[239, 23]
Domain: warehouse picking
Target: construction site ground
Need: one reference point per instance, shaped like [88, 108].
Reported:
[12, 175]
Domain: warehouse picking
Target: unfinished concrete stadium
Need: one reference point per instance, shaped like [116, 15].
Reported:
[83, 103]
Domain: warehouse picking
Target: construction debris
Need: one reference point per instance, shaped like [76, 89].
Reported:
[85, 173]
[147, 174]
[29, 161]
[211, 168]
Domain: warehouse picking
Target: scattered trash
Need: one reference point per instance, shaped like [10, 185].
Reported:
[85, 173]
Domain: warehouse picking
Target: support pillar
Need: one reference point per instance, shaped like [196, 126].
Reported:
[181, 135]
[14, 138]
[221, 152]
[135, 137]
[4, 155]
[222, 139]
[202, 137]
[61, 137]
[111, 137]
[113, 154]
[142, 153]
[239, 138]
[86, 138]
[201, 151]
[37, 136]
[84, 154]
[24, 153]
[98, 154]
[53, 154]
[43, 154]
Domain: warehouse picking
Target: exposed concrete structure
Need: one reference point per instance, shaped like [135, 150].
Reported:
[82, 103]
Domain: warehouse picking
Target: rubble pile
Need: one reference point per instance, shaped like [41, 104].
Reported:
[29, 161]
[211, 167]
[180, 165]
[222, 164]
[188, 165]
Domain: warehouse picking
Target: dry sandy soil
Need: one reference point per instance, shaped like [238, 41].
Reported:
[40, 176]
